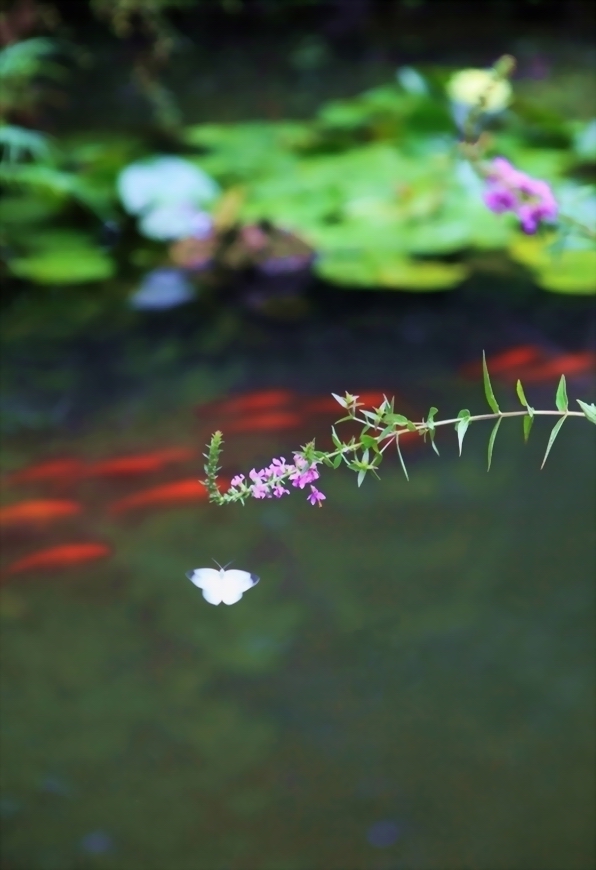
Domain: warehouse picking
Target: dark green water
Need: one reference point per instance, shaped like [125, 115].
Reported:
[411, 685]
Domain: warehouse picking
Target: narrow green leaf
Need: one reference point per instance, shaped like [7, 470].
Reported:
[335, 437]
[589, 410]
[461, 426]
[361, 476]
[397, 418]
[336, 461]
[430, 425]
[491, 441]
[528, 421]
[520, 394]
[401, 459]
[368, 441]
[551, 440]
[561, 398]
[339, 400]
[488, 390]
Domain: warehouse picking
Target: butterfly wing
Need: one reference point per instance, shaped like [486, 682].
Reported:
[234, 584]
[210, 581]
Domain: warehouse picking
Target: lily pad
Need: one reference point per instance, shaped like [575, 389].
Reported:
[566, 270]
[62, 257]
[386, 269]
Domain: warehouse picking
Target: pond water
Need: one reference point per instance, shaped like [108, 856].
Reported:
[411, 684]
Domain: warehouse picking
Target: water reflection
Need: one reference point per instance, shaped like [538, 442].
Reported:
[409, 685]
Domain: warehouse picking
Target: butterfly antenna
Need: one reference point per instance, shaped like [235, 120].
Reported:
[222, 568]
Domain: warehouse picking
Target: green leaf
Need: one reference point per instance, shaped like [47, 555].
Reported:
[369, 441]
[430, 424]
[528, 421]
[520, 394]
[561, 398]
[551, 440]
[339, 400]
[491, 441]
[335, 438]
[589, 410]
[337, 460]
[461, 426]
[397, 418]
[488, 390]
[430, 417]
[401, 459]
[361, 476]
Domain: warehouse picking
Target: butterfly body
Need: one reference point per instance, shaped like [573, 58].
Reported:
[222, 586]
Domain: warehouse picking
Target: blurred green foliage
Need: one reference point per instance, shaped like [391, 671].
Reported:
[374, 184]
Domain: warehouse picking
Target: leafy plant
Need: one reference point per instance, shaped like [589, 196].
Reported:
[382, 428]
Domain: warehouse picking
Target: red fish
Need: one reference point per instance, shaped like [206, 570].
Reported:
[52, 469]
[143, 463]
[62, 556]
[37, 511]
[272, 422]
[189, 489]
[245, 404]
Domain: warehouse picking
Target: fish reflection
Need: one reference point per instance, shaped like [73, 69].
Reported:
[37, 511]
[61, 556]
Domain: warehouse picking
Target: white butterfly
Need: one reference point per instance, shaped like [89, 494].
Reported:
[222, 585]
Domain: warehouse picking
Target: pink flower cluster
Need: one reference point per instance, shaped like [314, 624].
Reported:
[531, 199]
[268, 482]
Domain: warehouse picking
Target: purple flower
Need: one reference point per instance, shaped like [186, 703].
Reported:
[303, 473]
[236, 481]
[500, 199]
[315, 497]
[531, 199]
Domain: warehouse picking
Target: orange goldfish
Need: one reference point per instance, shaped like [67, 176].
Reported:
[532, 364]
[244, 404]
[62, 556]
[142, 463]
[328, 405]
[569, 364]
[189, 489]
[37, 511]
[271, 422]
[52, 469]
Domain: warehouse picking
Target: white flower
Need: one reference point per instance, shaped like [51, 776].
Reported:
[468, 85]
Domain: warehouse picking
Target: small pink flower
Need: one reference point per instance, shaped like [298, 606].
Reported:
[315, 497]
[237, 480]
[531, 199]
[279, 490]
[260, 490]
